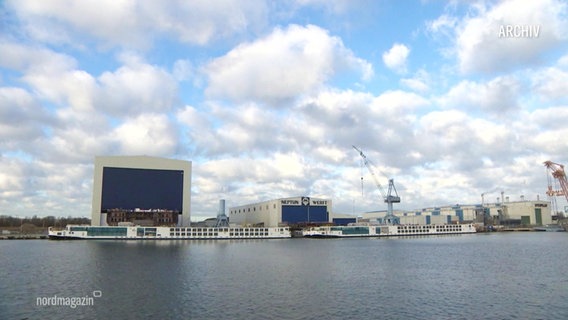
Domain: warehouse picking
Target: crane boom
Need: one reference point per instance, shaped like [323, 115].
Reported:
[557, 172]
[370, 168]
[389, 197]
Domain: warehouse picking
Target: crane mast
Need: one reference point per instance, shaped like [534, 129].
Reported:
[389, 197]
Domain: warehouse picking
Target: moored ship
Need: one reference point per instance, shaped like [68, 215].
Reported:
[167, 233]
[368, 230]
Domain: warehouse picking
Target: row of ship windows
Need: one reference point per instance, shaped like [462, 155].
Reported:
[414, 230]
[428, 230]
[209, 230]
[445, 227]
[215, 234]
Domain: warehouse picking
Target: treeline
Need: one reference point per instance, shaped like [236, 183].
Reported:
[49, 221]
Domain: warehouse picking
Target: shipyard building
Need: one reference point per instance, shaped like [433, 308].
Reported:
[142, 190]
[514, 213]
[282, 212]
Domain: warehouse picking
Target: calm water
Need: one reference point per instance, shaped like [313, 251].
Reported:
[484, 276]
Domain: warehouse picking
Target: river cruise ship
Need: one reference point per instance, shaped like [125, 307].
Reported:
[352, 231]
[167, 233]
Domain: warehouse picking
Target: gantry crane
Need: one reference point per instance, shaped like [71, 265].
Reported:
[557, 172]
[390, 197]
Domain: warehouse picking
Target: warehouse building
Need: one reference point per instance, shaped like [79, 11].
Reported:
[141, 190]
[526, 213]
[280, 212]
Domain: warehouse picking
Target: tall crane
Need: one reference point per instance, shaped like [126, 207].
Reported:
[557, 172]
[486, 212]
[390, 197]
[486, 192]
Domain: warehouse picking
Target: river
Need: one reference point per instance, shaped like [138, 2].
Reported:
[517, 275]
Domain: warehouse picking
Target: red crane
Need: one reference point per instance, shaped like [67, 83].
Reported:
[557, 172]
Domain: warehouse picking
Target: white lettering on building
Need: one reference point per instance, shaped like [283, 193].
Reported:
[290, 202]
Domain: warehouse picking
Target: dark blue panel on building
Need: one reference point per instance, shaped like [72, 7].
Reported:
[303, 214]
[459, 213]
[344, 221]
[126, 188]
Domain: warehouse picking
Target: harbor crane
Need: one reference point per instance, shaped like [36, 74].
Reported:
[557, 172]
[485, 211]
[389, 197]
[486, 192]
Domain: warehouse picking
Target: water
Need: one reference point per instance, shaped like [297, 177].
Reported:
[483, 276]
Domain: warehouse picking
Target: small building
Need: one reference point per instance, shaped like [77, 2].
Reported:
[284, 211]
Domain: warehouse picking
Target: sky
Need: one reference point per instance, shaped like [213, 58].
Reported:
[266, 98]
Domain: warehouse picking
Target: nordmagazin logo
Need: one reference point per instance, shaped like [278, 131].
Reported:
[71, 302]
[519, 31]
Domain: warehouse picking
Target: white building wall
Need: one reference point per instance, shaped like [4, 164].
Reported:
[441, 219]
[419, 220]
[439, 215]
[469, 213]
[516, 210]
[139, 162]
[268, 212]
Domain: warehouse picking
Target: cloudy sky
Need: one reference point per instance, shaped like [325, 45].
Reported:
[266, 98]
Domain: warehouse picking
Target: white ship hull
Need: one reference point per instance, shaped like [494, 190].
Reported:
[386, 230]
[166, 233]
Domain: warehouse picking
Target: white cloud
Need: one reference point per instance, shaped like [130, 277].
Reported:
[63, 102]
[136, 24]
[398, 102]
[563, 61]
[479, 49]
[443, 24]
[183, 70]
[134, 88]
[415, 84]
[420, 81]
[282, 66]
[32, 58]
[544, 131]
[21, 118]
[395, 58]
[147, 134]
[498, 96]
[551, 84]
[12, 180]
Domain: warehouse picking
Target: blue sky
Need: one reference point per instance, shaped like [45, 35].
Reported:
[266, 98]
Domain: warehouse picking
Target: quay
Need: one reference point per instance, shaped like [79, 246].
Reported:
[23, 237]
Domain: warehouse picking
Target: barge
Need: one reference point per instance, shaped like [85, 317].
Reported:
[72, 232]
[354, 231]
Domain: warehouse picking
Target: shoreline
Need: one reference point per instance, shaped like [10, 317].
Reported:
[24, 237]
